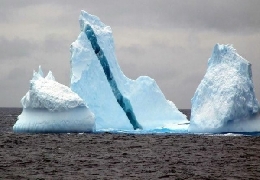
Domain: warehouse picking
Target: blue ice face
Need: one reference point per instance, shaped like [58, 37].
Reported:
[122, 101]
[115, 99]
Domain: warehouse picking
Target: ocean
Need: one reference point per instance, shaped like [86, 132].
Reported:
[124, 156]
[8, 117]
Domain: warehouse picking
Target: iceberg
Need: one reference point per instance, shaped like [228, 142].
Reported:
[50, 107]
[118, 102]
[225, 100]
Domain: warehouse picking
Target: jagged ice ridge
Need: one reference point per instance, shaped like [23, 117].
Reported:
[50, 107]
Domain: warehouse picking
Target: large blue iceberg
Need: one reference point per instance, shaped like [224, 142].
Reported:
[118, 102]
[225, 100]
[50, 107]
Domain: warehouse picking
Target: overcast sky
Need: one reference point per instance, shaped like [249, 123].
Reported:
[169, 40]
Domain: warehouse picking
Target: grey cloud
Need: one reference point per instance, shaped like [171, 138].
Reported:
[6, 4]
[8, 8]
[133, 49]
[15, 74]
[228, 16]
[16, 84]
[3, 17]
[55, 43]
[233, 16]
[127, 58]
[157, 60]
[177, 67]
[15, 48]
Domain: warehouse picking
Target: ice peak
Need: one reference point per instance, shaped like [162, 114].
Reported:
[50, 76]
[94, 21]
[40, 72]
[221, 48]
[220, 51]
[227, 54]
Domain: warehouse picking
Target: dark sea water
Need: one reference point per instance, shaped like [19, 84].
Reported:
[124, 156]
[8, 116]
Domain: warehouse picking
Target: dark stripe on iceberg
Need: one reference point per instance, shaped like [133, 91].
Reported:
[122, 101]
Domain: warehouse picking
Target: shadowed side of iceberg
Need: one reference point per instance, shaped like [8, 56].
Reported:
[75, 120]
[225, 100]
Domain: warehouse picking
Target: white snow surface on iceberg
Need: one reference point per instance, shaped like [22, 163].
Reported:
[225, 100]
[89, 81]
[50, 107]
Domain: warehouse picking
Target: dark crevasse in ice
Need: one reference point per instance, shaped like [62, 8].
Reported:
[122, 101]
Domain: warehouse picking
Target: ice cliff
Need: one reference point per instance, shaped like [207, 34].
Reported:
[225, 99]
[50, 107]
[117, 101]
